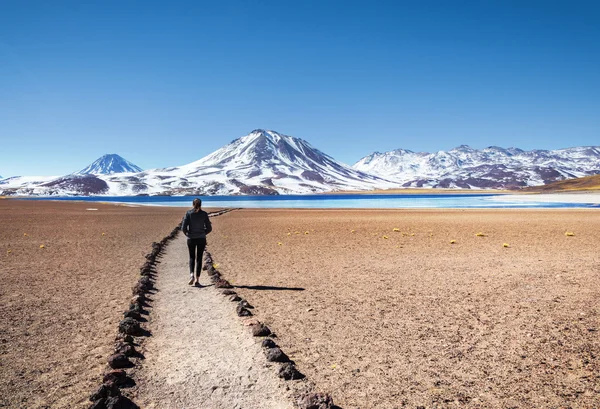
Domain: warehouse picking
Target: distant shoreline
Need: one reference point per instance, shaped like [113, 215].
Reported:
[420, 191]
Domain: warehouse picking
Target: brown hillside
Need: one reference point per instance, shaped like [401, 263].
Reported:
[577, 184]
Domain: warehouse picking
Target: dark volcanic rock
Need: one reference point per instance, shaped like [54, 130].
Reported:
[105, 391]
[124, 338]
[268, 343]
[316, 401]
[245, 304]
[117, 361]
[120, 402]
[139, 289]
[223, 284]
[146, 282]
[228, 292]
[99, 404]
[117, 377]
[136, 308]
[129, 326]
[289, 372]
[235, 298]
[242, 312]
[132, 314]
[125, 349]
[276, 355]
[137, 299]
[261, 330]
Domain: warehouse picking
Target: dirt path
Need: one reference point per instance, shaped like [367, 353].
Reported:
[200, 354]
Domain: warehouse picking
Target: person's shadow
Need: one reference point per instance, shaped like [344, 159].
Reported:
[269, 288]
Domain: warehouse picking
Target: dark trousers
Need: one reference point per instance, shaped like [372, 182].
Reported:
[196, 248]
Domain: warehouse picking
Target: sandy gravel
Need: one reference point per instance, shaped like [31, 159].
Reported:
[404, 321]
[60, 305]
[411, 320]
[200, 354]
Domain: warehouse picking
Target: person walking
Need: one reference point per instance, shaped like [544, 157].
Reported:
[196, 225]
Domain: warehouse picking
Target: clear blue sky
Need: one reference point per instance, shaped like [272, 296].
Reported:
[165, 83]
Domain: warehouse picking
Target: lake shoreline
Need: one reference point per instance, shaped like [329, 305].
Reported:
[438, 200]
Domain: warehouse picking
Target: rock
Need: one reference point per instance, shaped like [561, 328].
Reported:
[276, 355]
[235, 298]
[316, 401]
[245, 304]
[223, 284]
[105, 391]
[124, 338]
[136, 308]
[125, 349]
[146, 282]
[129, 326]
[99, 404]
[117, 377]
[132, 314]
[268, 343]
[289, 372]
[139, 289]
[261, 330]
[242, 312]
[137, 299]
[120, 402]
[117, 361]
[228, 292]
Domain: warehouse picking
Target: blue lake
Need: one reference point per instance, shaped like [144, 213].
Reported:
[345, 201]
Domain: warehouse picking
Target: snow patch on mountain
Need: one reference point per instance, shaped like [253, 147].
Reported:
[492, 167]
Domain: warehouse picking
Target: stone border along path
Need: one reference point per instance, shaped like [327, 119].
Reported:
[287, 370]
[108, 395]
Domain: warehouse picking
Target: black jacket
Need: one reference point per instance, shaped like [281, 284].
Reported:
[196, 225]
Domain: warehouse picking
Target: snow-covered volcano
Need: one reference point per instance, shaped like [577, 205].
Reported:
[109, 164]
[492, 167]
[260, 163]
[270, 161]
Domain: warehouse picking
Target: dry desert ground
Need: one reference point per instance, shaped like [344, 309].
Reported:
[60, 305]
[375, 306]
[390, 319]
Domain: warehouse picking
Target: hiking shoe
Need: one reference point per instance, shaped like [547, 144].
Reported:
[192, 279]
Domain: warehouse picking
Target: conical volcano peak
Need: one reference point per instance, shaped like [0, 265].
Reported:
[109, 164]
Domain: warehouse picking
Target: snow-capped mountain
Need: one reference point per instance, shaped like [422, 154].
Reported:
[262, 162]
[492, 167]
[109, 164]
[270, 161]
[267, 162]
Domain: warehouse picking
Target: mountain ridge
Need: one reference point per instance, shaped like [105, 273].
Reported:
[261, 162]
[266, 162]
[491, 167]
